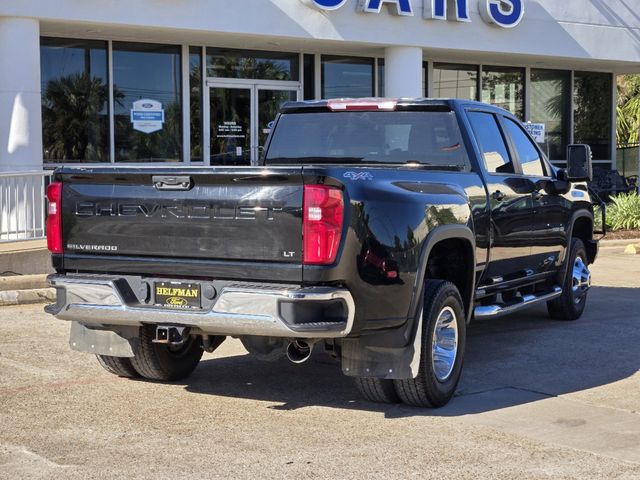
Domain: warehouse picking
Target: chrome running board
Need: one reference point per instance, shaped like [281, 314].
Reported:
[494, 311]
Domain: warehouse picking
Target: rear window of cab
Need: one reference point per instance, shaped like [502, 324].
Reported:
[369, 137]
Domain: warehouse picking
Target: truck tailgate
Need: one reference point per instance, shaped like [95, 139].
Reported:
[230, 214]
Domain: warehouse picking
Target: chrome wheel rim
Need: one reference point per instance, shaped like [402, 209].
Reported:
[444, 346]
[581, 280]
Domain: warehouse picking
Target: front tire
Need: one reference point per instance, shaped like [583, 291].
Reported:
[160, 362]
[575, 287]
[444, 336]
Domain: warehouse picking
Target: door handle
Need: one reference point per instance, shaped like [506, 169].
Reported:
[498, 196]
[172, 183]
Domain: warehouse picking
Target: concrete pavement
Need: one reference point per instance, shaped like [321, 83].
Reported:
[538, 399]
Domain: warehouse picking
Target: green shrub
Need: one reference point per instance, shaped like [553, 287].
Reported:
[597, 219]
[623, 213]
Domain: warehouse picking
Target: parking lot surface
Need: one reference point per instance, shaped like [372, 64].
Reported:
[538, 399]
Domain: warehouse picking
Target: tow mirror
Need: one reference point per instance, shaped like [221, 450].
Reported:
[579, 163]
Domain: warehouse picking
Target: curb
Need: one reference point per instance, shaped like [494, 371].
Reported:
[23, 282]
[27, 297]
[619, 243]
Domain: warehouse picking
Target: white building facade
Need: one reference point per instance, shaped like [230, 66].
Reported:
[197, 82]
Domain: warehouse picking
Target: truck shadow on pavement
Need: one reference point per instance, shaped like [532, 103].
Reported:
[510, 361]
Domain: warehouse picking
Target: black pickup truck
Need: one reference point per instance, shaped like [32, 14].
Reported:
[374, 229]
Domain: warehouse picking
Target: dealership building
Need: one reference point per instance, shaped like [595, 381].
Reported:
[197, 82]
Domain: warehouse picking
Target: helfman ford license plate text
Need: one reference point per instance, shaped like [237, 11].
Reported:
[177, 295]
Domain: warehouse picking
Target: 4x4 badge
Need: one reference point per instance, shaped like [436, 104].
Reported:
[358, 175]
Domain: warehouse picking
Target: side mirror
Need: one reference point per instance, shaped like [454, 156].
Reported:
[562, 175]
[561, 185]
[579, 163]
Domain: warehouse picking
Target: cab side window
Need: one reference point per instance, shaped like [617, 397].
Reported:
[527, 152]
[491, 142]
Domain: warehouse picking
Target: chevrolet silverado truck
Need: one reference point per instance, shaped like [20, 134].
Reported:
[373, 229]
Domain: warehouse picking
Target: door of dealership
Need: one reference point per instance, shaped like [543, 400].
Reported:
[239, 117]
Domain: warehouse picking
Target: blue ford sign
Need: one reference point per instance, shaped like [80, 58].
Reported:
[502, 13]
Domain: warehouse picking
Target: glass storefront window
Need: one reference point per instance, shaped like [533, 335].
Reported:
[75, 99]
[452, 80]
[592, 112]
[195, 101]
[347, 77]
[504, 87]
[229, 63]
[551, 105]
[147, 76]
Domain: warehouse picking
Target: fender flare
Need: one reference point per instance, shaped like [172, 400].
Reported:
[438, 234]
[574, 218]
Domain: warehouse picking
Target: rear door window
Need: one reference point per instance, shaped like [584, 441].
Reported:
[426, 137]
[495, 153]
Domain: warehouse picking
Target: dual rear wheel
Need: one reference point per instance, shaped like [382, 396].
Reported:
[442, 342]
[155, 361]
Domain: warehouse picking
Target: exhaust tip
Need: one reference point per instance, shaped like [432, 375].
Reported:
[299, 351]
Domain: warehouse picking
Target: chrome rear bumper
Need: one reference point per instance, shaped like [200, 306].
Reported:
[237, 311]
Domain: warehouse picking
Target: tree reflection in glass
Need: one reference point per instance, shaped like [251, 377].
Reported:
[504, 87]
[593, 94]
[75, 99]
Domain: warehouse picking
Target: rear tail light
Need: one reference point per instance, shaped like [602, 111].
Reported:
[323, 217]
[54, 217]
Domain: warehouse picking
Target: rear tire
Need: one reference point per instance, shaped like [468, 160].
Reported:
[164, 363]
[121, 367]
[570, 305]
[377, 390]
[441, 357]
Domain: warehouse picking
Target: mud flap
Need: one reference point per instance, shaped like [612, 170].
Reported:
[365, 357]
[121, 343]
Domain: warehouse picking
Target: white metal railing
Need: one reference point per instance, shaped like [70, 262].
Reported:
[22, 205]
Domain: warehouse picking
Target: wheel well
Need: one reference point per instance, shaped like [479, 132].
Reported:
[583, 229]
[453, 260]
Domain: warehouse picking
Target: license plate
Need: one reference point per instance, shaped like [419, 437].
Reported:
[185, 296]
